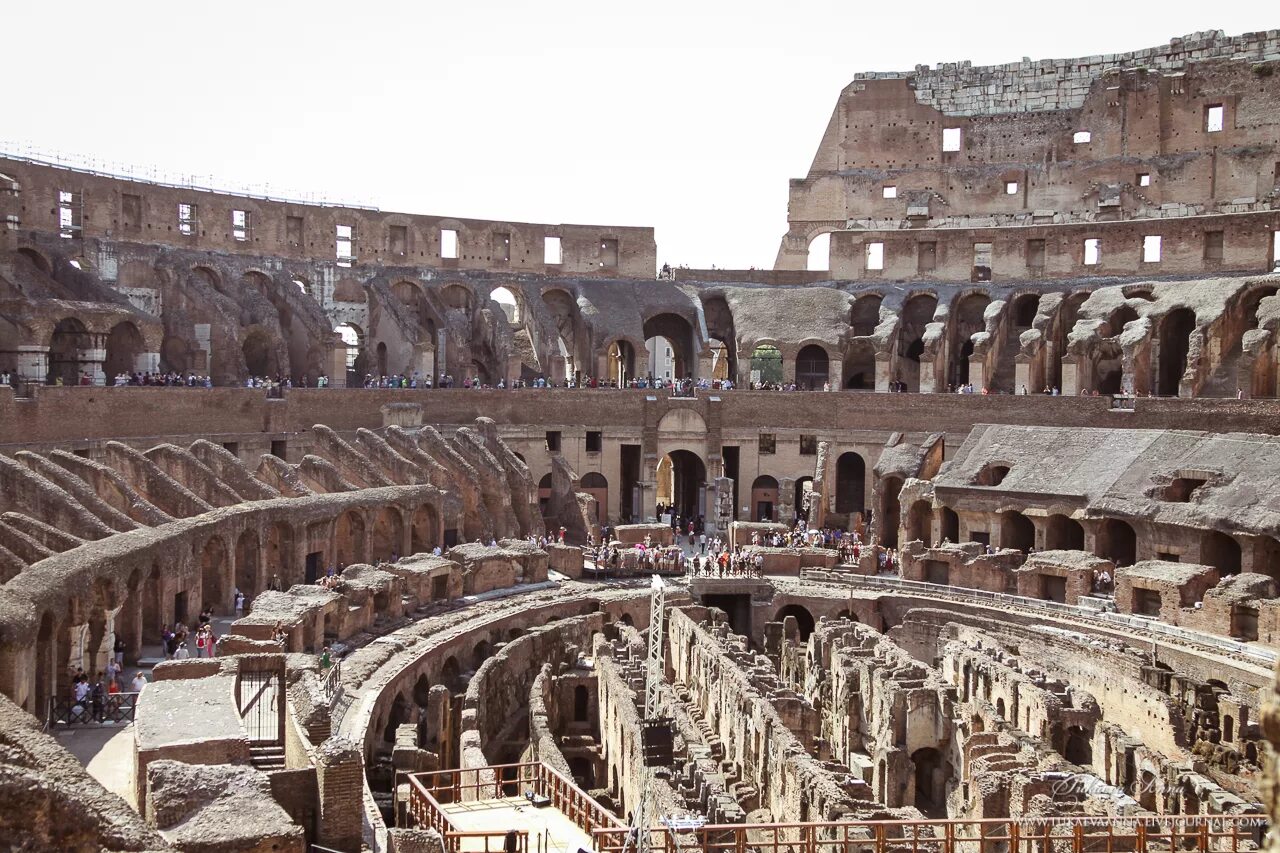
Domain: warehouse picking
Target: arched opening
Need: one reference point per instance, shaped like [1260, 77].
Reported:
[422, 691]
[860, 367]
[69, 340]
[724, 339]
[686, 484]
[950, 525]
[1000, 710]
[804, 619]
[819, 256]
[451, 675]
[595, 484]
[930, 782]
[1068, 314]
[380, 356]
[1017, 532]
[509, 303]
[920, 522]
[766, 365]
[621, 358]
[397, 716]
[1117, 542]
[1079, 748]
[482, 651]
[764, 498]
[456, 297]
[1023, 311]
[247, 568]
[1122, 316]
[1062, 533]
[1175, 341]
[851, 483]
[804, 492]
[917, 313]
[357, 362]
[259, 355]
[864, 316]
[581, 704]
[813, 368]
[39, 261]
[388, 534]
[674, 359]
[567, 318]
[213, 572]
[1108, 367]
[1228, 729]
[349, 544]
[124, 345]
[890, 512]
[966, 321]
[1221, 551]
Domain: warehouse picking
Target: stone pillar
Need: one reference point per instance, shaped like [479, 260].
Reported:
[1022, 376]
[146, 362]
[648, 504]
[788, 369]
[92, 359]
[883, 372]
[835, 374]
[1070, 377]
[787, 501]
[33, 364]
[340, 785]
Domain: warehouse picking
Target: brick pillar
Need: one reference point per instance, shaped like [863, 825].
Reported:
[340, 783]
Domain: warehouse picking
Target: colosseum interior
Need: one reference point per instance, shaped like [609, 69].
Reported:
[997, 493]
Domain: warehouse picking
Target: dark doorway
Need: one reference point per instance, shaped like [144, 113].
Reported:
[180, 607]
[738, 609]
[313, 566]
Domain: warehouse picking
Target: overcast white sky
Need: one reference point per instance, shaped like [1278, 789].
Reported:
[688, 116]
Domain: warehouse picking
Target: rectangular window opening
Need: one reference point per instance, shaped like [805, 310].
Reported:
[982, 261]
[890, 192]
[551, 251]
[280, 449]
[398, 240]
[293, 230]
[768, 442]
[1144, 179]
[808, 445]
[595, 441]
[1010, 187]
[1081, 136]
[240, 225]
[875, 256]
[927, 257]
[1214, 116]
[186, 219]
[448, 243]
[553, 441]
[69, 209]
[345, 242]
[1151, 249]
[1092, 252]
[951, 139]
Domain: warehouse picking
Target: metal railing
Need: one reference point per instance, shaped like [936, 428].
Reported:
[1004, 599]
[429, 792]
[331, 683]
[1145, 834]
[116, 708]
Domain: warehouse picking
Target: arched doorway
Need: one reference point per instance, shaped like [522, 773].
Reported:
[819, 255]
[930, 782]
[510, 304]
[388, 534]
[425, 529]
[920, 522]
[688, 483]
[595, 484]
[70, 338]
[1175, 341]
[259, 354]
[851, 483]
[860, 367]
[950, 525]
[917, 313]
[678, 333]
[124, 345]
[864, 316]
[764, 498]
[966, 321]
[349, 543]
[357, 362]
[804, 619]
[1017, 532]
[813, 368]
[1117, 541]
[723, 338]
[621, 359]
[766, 365]
[1079, 747]
[1221, 551]
[1063, 534]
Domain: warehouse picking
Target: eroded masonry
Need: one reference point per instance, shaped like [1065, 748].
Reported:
[969, 540]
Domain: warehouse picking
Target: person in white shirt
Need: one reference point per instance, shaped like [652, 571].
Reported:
[139, 682]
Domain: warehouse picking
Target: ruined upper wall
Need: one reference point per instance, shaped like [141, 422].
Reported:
[125, 210]
[961, 89]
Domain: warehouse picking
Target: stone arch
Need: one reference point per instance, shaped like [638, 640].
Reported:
[511, 302]
[457, 297]
[950, 525]
[1017, 531]
[917, 313]
[124, 345]
[451, 674]
[620, 362]
[920, 522]
[1175, 343]
[595, 484]
[1023, 310]
[570, 338]
[967, 319]
[214, 572]
[818, 252]
[721, 330]
[851, 483]
[260, 356]
[349, 538]
[764, 498]
[1221, 551]
[388, 535]
[860, 366]
[678, 331]
[581, 704]
[424, 530]
[397, 716]
[688, 475]
[1063, 533]
[422, 690]
[36, 258]
[248, 571]
[1123, 315]
[813, 367]
[1068, 314]
[70, 338]
[1117, 541]
[804, 619]
[864, 314]
[766, 363]
[480, 653]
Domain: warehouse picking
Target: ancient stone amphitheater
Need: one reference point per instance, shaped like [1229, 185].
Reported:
[1055, 630]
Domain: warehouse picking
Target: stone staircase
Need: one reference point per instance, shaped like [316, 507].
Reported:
[267, 757]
